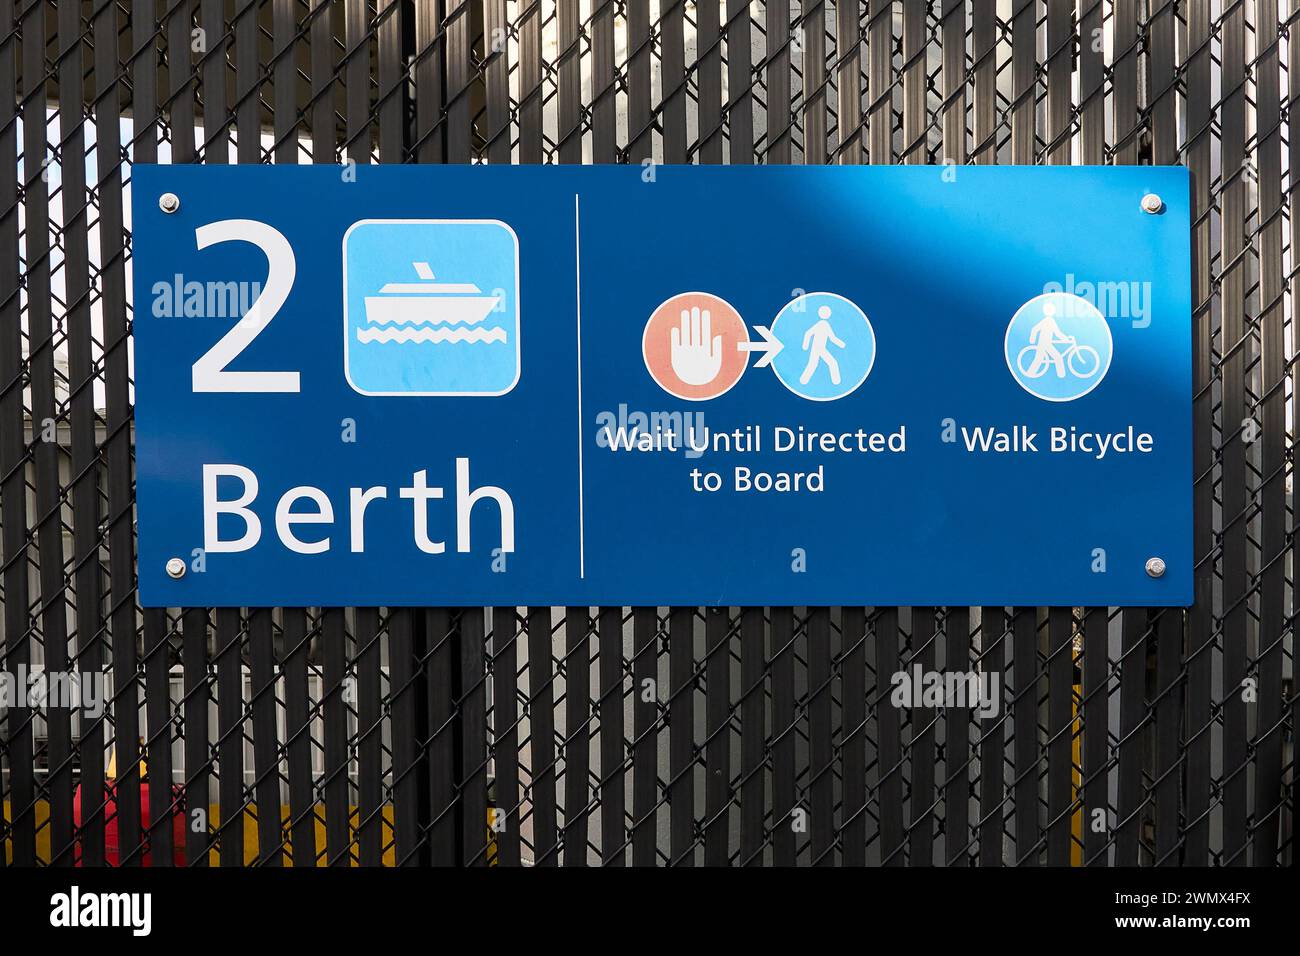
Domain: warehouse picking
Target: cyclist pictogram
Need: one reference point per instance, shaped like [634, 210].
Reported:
[1058, 346]
[1081, 361]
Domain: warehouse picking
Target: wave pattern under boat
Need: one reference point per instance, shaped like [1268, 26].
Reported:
[377, 317]
[368, 335]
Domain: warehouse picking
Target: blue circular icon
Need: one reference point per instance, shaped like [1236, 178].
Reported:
[828, 346]
[1058, 347]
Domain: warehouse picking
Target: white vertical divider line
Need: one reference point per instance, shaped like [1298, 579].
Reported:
[577, 269]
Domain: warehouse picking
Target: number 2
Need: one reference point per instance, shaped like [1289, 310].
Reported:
[210, 373]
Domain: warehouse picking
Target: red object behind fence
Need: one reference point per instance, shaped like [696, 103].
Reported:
[112, 849]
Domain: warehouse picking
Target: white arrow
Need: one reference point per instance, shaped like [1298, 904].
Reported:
[770, 346]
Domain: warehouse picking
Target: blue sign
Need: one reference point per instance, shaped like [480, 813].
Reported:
[600, 385]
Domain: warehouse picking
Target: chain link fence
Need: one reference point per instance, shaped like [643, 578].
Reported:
[608, 736]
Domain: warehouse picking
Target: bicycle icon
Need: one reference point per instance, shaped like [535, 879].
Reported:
[1082, 360]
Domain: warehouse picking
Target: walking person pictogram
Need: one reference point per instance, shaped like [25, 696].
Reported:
[818, 335]
[827, 346]
[1044, 336]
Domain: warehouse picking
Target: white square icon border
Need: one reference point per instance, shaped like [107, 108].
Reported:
[347, 344]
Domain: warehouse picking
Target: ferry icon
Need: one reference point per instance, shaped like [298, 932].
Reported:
[420, 335]
[428, 302]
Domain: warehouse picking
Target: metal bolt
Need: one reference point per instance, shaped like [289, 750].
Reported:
[1152, 203]
[175, 568]
[1156, 567]
[169, 202]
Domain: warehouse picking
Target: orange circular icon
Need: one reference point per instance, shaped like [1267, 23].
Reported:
[692, 346]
